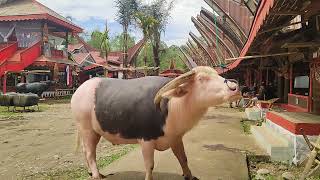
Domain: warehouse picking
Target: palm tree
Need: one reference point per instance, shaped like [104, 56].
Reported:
[160, 11]
[105, 45]
[101, 40]
[146, 23]
[125, 16]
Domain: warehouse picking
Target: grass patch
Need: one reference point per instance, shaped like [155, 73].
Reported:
[246, 126]
[81, 173]
[267, 177]
[18, 114]
[105, 161]
[241, 109]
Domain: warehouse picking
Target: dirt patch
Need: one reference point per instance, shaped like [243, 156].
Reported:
[39, 145]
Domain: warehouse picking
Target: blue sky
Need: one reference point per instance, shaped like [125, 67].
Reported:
[92, 15]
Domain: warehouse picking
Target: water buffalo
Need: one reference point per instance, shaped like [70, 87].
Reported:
[154, 112]
[35, 88]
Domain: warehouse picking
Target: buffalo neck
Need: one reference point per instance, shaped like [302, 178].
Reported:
[184, 114]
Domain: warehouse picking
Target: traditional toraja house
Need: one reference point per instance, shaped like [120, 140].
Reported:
[224, 31]
[93, 64]
[30, 39]
[280, 50]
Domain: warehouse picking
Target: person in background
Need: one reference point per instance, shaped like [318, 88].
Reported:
[252, 100]
[262, 92]
[254, 88]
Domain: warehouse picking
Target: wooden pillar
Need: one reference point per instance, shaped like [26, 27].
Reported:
[67, 39]
[291, 78]
[280, 88]
[260, 76]
[22, 80]
[267, 78]
[286, 90]
[310, 102]
[4, 83]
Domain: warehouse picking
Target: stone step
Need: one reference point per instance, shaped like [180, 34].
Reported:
[275, 145]
[253, 113]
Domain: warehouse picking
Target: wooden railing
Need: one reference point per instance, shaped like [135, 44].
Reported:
[58, 93]
[8, 51]
[30, 54]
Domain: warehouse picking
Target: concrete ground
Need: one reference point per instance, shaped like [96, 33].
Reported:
[216, 149]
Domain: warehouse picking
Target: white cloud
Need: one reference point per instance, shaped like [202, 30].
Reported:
[86, 11]
[83, 10]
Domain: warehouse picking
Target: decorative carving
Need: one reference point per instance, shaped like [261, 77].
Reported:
[283, 71]
[317, 74]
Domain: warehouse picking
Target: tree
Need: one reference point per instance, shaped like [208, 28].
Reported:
[125, 16]
[160, 11]
[168, 53]
[105, 45]
[117, 42]
[146, 23]
[100, 40]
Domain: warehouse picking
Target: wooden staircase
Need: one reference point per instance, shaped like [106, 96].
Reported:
[13, 59]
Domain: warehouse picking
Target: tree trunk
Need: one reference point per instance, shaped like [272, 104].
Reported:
[156, 50]
[125, 50]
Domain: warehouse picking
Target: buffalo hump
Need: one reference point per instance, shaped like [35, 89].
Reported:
[126, 107]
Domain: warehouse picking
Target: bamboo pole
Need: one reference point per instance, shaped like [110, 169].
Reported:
[125, 69]
[261, 56]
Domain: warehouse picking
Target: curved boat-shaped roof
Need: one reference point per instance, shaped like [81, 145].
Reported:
[210, 17]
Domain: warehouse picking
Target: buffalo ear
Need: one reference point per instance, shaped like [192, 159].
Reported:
[177, 92]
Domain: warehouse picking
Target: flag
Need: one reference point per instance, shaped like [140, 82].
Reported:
[68, 75]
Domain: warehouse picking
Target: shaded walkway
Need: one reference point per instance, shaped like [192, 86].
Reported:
[215, 148]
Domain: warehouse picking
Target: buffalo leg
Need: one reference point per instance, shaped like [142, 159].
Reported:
[178, 150]
[90, 140]
[148, 157]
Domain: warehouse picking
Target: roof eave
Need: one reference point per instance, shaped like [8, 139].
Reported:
[73, 28]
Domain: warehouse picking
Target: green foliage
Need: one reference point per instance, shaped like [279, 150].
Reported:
[117, 42]
[100, 40]
[126, 11]
[146, 23]
[167, 54]
[246, 126]
[172, 53]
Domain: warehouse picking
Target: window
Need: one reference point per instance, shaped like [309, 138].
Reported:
[301, 82]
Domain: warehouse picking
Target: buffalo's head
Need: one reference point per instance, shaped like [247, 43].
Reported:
[203, 86]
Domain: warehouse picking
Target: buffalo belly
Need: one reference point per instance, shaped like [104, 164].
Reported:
[126, 107]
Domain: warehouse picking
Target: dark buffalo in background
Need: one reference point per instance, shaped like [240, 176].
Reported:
[35, 88]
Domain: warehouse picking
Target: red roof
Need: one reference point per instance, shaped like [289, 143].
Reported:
[265, 6]
[43, 59]
[32, 10]
[72, 47]
[97, 58]
[112, 57]
[171, 73]
[80, 57]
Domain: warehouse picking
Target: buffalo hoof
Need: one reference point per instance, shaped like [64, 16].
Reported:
[101, 177]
